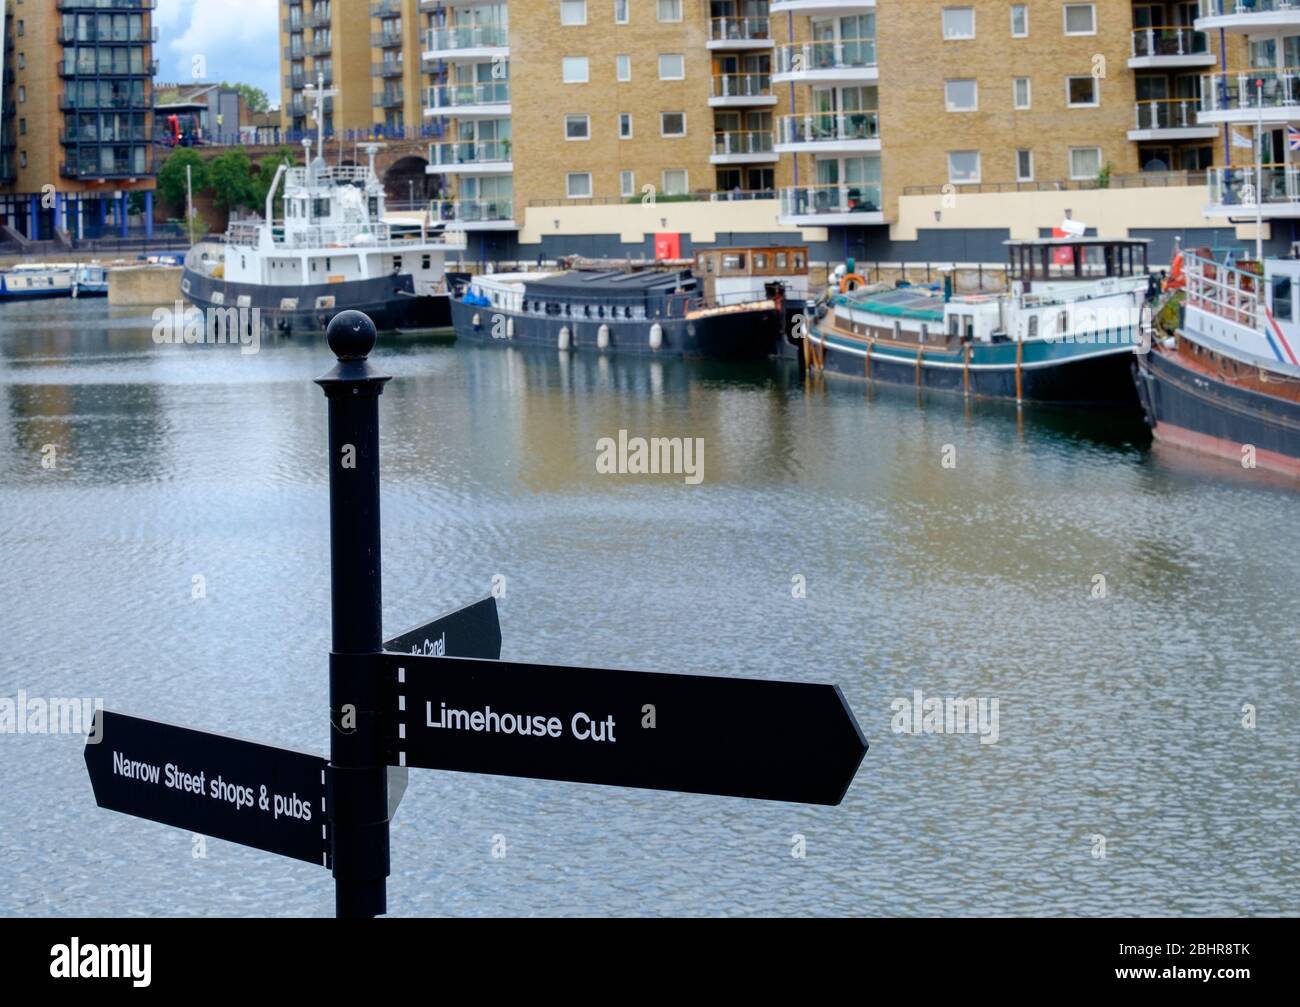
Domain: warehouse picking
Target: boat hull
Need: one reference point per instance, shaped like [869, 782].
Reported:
[727, 335]
[1051, 373]
[390, 301]
[1194, 410]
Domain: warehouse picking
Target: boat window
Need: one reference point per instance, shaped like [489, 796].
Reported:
[1033, 327]
[781, 260]
[733, 262]
[374, 206]
[329, 264]
[898, 330]
[425, 262]
[925, 333]
[798, 260]
[320, 208]
[760, 262]
[708, 263]
[954, 326]
[1063, 322]
[968, 323]
[1282, 298]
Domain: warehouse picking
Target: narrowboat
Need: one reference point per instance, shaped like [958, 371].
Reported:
[725, 303]
[1227, 382]
[37, 281]
[1064, 333]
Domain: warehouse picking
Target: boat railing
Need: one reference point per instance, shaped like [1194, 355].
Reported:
[1079, 292]
[248, 235]
[1226, 291]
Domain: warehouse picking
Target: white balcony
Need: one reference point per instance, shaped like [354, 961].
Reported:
[828, 133]
[743, 147]
[831, 205]
[491, 157]
[1171, 48]
[469, 101]
[732, 33]
[1239, 194]
[1170, 119]
[459, 45]
[848, 61]
[1246, 96]
[741, 90]
[475, 214]
[1248, 15]
[819, 8]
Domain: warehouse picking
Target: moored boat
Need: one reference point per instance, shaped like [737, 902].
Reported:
[729, 303]
[1227, 382]
[1064, 333]
[90, 280]
[36, 281]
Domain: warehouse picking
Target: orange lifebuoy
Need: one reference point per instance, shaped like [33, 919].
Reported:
[1177, 280]
[851, 282]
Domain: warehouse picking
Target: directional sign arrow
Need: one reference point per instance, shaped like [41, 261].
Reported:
[736, 737]
[473, 631]
[269, 798]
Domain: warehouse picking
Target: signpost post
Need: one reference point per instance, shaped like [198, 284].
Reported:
[439, 697]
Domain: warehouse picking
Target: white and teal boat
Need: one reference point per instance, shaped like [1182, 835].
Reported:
[1064, 333]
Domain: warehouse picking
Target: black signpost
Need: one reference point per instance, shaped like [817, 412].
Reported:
[439, 697]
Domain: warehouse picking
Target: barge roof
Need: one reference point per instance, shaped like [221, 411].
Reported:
[903, 302]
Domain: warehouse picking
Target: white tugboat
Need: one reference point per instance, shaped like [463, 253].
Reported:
[333, 251]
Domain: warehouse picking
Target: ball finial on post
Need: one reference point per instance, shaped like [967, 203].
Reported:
[351, 335]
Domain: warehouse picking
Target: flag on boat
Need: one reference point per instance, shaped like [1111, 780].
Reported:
[1293, 138]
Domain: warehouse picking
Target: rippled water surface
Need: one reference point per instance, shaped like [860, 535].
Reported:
[1119, 718]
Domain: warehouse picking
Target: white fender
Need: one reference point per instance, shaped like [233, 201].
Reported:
[510, 327]
[564, 338]
[602, 338]
[656, 336]
[476, 321]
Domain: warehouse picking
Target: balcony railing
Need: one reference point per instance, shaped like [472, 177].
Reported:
[117, 5]
[1170, 42]
[78, 103]
[1222, 8]
[386, 39]
[742, 85]
[386, 8]
[453, 96]
[1167, 113]
[388, 68]
[749, 141]
[740, 29]
[112, 168]
[295, 52]
[846, 54]
[1248, 90]
[827, 127]
[492, 36]
[388, 99]
[317, 18]
[457, 153]
[1276, 185]
[472, 211]
[320, 47]
[109, 68]
[818, 200]
[88, 34]
[90, 134]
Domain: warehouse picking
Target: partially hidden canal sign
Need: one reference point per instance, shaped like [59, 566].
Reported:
[440, 697]
[473, 631]
[735, 737]
[269, 798]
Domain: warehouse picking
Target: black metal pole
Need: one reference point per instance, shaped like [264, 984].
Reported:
[358, 782]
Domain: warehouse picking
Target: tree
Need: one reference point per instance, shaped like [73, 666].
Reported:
[171, 176]
[254, 97]
[230, 179]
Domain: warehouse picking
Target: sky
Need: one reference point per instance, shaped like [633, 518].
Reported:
[216, 40]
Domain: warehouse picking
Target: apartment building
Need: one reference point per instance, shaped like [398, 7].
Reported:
[821, 113]
[1254, 95]
[329, 42]
[77, 124]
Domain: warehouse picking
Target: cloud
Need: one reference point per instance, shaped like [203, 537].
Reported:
[237, 40]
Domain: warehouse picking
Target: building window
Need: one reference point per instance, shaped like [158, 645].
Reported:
[1080, 19]
[22, 93]
[964, 167]
[672, 66]
[578, 184]
[620, 11]
[22, 61]
[1081, 92]
[625, 125]
[1021, 92]
[22, 127]
[672, 123]
[675, 183]
[1019, 20]
[623, 66]
[626, 183]
[575, 70]
[670, 10]
[1085, 162]
[577, 127]
[1024, 166]
[573, 12]
[959, 22]
[961, 95]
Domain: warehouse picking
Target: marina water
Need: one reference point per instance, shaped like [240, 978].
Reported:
[173, 562]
